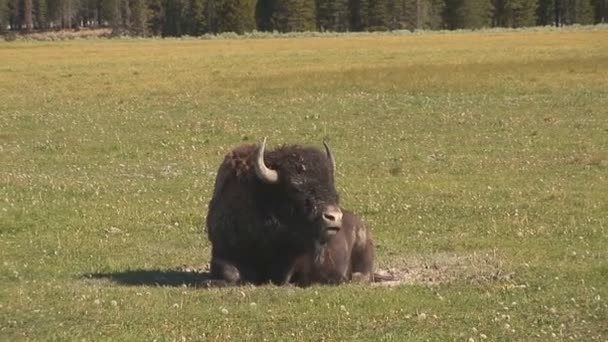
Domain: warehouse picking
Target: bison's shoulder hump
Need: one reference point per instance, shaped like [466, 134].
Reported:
[240, 159]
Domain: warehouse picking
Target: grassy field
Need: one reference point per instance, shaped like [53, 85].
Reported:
[480, 161]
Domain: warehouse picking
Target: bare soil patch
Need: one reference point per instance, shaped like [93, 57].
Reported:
[427, 270]
[441, 268]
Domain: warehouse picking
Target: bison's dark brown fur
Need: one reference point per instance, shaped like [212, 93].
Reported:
[262, 218]
[348, 256]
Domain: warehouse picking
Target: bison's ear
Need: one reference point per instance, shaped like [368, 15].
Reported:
[261, 170]
[330, 156]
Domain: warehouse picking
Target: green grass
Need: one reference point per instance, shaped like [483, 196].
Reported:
[487, 147]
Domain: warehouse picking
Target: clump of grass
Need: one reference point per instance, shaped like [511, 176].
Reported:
[67, 34]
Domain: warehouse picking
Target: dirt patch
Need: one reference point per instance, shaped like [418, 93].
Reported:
[427, 270]
[441, 268]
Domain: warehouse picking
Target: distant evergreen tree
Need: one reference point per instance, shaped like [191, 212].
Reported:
[107, 11]
[212, 15]
[405, 14]
[263, 14]
[545, 12]
[173, 23]
[396, 14]
[196, 23]
[371, 15]
[333, 15]
[467, 14]
[577, 12]
[356, 21]
[41, 14]
[432, 14]
[156, 17]
[112, 13]
[28, 11]
[140, 16]
[558, 9]
[3, 15]
[15, 18]
[377, 15]
[237, 16]
[515, 13]
[247, 12]
[85, 14]
[69, 13]
[294, 15]
[420, 14]
[601, 11]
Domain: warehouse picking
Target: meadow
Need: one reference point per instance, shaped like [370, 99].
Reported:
[479, 160]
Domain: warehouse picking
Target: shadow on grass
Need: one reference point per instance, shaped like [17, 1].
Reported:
[169, 278]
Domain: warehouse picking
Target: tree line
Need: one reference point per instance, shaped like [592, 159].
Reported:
[197, 17]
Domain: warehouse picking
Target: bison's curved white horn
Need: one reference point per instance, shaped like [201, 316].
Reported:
[261, 170]
[332, 162]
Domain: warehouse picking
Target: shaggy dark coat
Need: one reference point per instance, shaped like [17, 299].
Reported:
[348, 256]
[257, 230]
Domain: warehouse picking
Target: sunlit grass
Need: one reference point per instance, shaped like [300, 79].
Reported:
[491, 147]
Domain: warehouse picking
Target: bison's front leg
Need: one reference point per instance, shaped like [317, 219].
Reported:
[224, 270]
[299, 272]
[363, 262]
[283, 271]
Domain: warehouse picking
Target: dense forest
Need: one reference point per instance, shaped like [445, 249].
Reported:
[197, 17]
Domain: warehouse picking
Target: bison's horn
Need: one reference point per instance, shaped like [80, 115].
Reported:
[261, 170]
[332, 162]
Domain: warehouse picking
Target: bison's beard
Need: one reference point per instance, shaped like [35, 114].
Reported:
[319, 253]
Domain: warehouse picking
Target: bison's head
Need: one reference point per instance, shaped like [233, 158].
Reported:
[302, 183]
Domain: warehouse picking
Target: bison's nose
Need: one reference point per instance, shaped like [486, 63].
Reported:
[332, 218]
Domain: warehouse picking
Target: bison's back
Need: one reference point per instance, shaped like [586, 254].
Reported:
[231, 215]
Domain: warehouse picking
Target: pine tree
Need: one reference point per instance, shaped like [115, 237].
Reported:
[15, 18]
[69, 13]
[421, 14]
[173, 20]
[432, 14]
[294, 15]
[467, 13]
[28, 11]
[356, 21]
[156, 17]
[3, 15]
[396, 14]
[237, 16]
[196, 19]
[140, 15]
[450, 14]
[99, 12]
[263, 14]
[85, 12]
[515, 13]
[601, 11]
[112, 13]
[212, 15]
[377, 15]
[333, 15]
[41, 14]
[578, 12]
[558, 9]
[371, 15]
[545, 12]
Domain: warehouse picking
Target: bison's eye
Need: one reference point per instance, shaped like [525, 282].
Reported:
[301, 168]
[309, 205]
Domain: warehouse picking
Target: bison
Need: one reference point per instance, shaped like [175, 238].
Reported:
[268, 209]
[348, 256]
